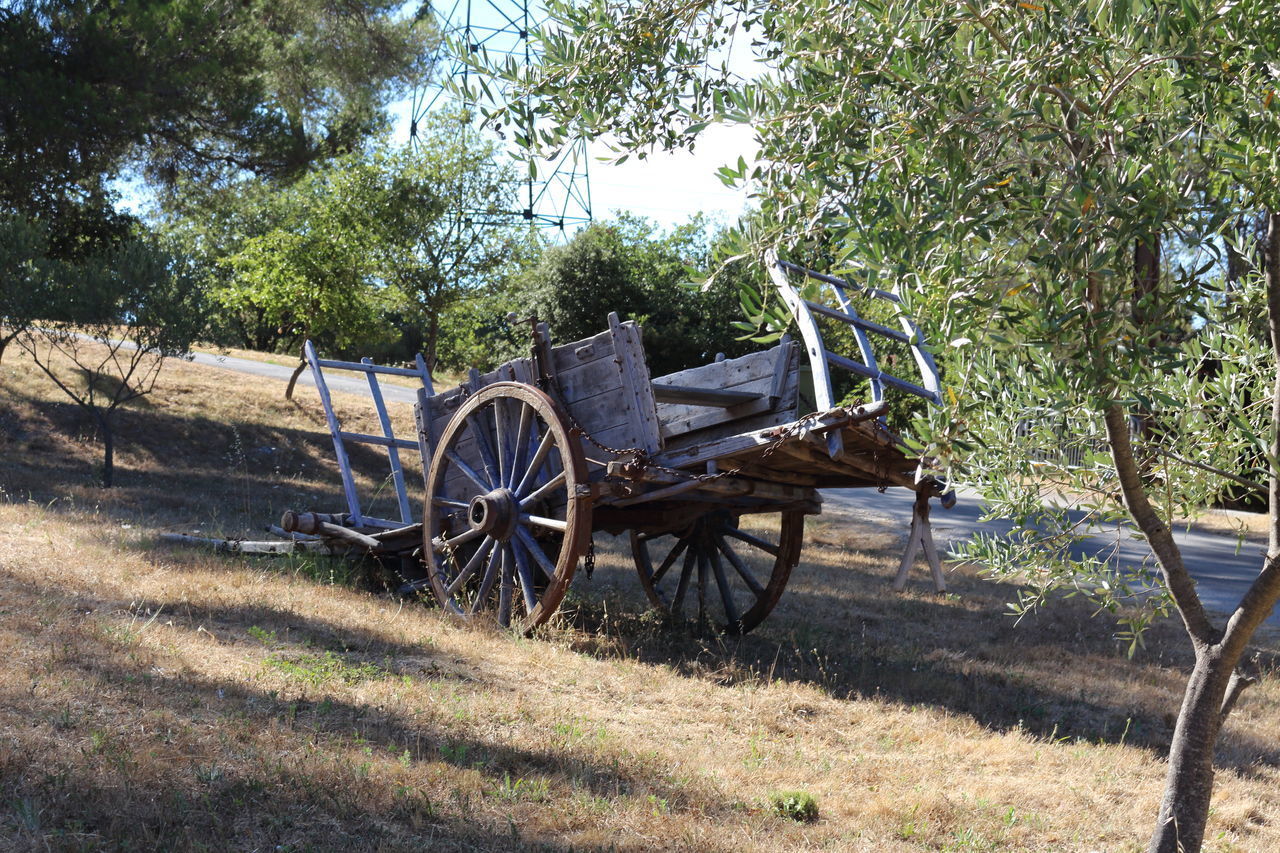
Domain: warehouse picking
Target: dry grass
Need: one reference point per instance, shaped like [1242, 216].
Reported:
[169, 699]
[1248, 526]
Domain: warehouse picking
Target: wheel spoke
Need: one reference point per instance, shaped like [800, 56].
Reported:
[677, 603]
[726, 594]
[525, 574]
[470, 568]
[521, 443]
[767, 547]
[540, 456]
[702, 581]
[541, 521]
[671, 558]
[543, 490]
[741, 567]
[490, 578]
[482, 445]
[535, 550]
[472, 475]
[500, 439]
[450, 502]
[462, 538]
[505, 588]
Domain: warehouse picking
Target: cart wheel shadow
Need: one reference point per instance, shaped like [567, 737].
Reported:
[841, 628]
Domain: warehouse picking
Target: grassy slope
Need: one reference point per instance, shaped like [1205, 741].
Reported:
[163, 698]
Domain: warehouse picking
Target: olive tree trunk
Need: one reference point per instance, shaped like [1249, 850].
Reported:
[1214, 685]
[293, 379]
[108, 447]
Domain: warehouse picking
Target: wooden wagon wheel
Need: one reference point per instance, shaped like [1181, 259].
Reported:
[505, 523]
[723, 564]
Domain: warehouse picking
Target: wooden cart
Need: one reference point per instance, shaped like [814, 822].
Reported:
[710, 470]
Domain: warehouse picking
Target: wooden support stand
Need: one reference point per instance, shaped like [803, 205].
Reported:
[921, 537]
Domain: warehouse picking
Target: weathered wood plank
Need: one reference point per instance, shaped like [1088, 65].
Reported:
[566, 356]
[367, 367]
[855, 464]
[784, 365]
[772, 375]
[629, 345]
[381, 441]
[724, 374]
[712, 397]
[673, 483]
[241, 546]
[700, 449]
[752, 373]
[589, 379]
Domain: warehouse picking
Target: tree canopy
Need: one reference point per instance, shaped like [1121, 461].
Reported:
[1050, 187]
[181, 88]
[368, 246]
[628, 267]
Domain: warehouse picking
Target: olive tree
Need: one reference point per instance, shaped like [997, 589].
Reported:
[1049, 186]
[107, 327]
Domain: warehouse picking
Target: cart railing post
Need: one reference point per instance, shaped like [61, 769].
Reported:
[387, 440]
[335, 430]
[393, 453]
[822, 359]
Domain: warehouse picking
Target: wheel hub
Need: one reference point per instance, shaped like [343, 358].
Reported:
[494, 513]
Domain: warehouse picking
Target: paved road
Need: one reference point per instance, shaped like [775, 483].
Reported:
[1223, 574]
[337, 380]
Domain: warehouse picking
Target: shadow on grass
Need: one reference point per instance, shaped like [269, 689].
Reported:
[184, 761]
[1061, 674]
[79, 810]
[184, 472]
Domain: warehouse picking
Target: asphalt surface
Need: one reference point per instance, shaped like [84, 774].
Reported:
[1222, 571]
[337, 380]
[1222, 567]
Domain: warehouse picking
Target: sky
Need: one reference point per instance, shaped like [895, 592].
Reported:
[667, 188]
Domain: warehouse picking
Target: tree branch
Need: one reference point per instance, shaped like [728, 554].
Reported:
[1236, 686]
[1120, 84]
[1226, 475]
[1176, 577]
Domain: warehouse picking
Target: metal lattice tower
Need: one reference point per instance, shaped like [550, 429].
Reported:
[559, 197]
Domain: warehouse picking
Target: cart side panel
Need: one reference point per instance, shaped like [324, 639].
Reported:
[775, 374]
[602, 380]
[770, 374]
[605, 384]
